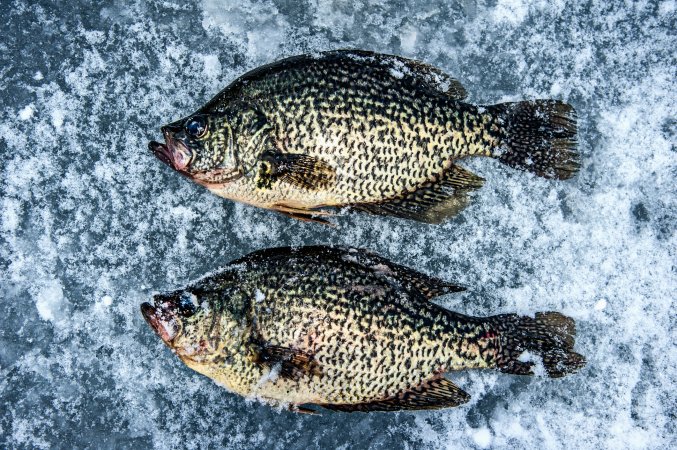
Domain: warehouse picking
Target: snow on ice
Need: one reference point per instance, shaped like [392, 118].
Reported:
[92, 224]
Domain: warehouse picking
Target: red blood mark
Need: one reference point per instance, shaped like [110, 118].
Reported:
[489, 335]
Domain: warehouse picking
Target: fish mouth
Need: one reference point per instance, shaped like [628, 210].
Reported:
[175, 154]
[217, 177]
[162, 152]
[162, 322]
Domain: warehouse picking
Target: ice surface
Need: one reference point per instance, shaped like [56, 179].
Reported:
[92, 224]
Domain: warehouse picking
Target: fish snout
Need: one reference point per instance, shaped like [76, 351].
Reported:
[162, 320]
[174, 153]
[161, 152]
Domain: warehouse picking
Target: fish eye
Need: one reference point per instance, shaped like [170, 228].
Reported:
[196, 126]
[187, 304]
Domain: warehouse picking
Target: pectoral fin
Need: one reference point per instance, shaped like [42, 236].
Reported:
[436, 393]
[434, 201]
[292, 363]
[303, 171]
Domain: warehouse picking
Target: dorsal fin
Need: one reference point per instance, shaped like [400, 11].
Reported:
[427, 285]
[432, 394]
[422, 73]
[433, 202]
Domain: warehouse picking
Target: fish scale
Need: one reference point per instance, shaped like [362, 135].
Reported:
[371, 337]
[363, 384]
[341, 327]
[388, 164]
[376, 132]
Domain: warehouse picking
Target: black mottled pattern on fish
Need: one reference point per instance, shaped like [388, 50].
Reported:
[351, 128]
[346, 329]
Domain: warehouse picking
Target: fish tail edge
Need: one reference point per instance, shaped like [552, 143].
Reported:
[538, 136]
[550, 335]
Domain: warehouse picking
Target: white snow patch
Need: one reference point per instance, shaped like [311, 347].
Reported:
[27, 112]
[511, 11]
[183, 213]
[256, 27]
[57, 118]
[667, 7]
[396, 73]
[11, 209]
[212, 66]
[50, 300]
[538, 368]
[268, 377]
[408, 38]
[482, 437]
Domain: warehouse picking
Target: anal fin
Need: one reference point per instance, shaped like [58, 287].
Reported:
[434, 201]
[300, 409]
[435, 393]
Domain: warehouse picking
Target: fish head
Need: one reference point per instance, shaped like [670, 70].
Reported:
[194, 323]
[200, 147]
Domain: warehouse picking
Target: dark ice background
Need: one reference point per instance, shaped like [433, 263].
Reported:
[92, 224]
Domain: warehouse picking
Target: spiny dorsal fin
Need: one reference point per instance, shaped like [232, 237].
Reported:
[434, 201]
[293, 363]
[432, 394]
[423, 73]
[430, 287]
[304, 171]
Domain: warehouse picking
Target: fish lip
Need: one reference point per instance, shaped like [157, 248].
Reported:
[218, 177]
[154, 317]
[208, 179]
[162, 152]
[147, 311]
[174, 153]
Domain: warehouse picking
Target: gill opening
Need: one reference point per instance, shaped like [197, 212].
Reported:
[259, 140]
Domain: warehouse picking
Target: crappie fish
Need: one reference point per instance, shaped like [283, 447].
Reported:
[349, 128]
[346, 330]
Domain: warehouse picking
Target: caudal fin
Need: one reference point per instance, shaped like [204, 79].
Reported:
[549, 335]
[538, 136]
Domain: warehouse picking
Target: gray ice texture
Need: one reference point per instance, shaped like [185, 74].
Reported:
[92, 224]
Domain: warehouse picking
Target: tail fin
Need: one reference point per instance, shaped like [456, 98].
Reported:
[549, 335]
[538, 136]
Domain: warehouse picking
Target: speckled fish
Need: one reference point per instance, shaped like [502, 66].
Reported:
[350, 128]
[347, 330]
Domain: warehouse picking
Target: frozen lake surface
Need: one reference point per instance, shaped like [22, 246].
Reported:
[93, 224]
